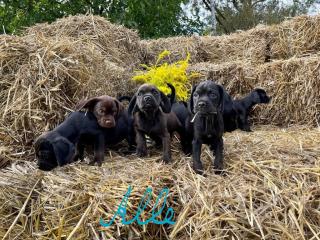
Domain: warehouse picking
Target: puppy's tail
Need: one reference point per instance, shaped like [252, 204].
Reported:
[124, 98]
[172, 96]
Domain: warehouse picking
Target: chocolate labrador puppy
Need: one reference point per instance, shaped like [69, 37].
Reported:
[151, 110]
[206, 124]
[237, 116]
[65, 143]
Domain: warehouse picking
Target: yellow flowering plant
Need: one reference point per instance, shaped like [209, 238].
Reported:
[174, 73]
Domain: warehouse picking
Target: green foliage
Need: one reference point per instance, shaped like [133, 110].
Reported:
[152, 18]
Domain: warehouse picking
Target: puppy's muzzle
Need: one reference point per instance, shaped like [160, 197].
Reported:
[107, 122]
[205, 108]
[148, 102]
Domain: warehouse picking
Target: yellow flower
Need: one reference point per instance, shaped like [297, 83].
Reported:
[161, 74]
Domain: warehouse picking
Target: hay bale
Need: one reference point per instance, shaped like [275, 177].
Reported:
[42, 79]
[270, 191]
[117, 43]
[237, 77]
[293, 84]
[250, 46]
[178, 46]
[295, 37]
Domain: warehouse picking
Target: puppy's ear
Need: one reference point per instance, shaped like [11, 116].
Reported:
[165, 103]
[222, 96]
[89, 104]
[64, 150]
[133, 108]
[190, 102]
[120, 107]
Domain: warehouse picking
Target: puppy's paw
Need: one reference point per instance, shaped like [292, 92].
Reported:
[246, 129]
[219, 171]
[142, 153]
[99, 163]
[198, 169]
[92, 162]
[167, 159]
[200, 172]
[187, 151]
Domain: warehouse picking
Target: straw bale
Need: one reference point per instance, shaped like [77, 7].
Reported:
[42, 79]
[295, 37]
[119, 44]
[251, 46]
[178, 46]
[294, 85]
[237, 77]
[270, 191]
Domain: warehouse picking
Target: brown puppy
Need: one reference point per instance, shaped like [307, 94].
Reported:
[151, 110]
[105, 109]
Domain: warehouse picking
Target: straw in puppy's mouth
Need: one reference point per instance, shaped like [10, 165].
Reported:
[196, 114]
[194, 117]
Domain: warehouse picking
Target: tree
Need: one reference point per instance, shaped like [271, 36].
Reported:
[232, 15]
[152, 18]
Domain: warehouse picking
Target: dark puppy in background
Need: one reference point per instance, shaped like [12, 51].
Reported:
[65, 143]
[237, 117]
[206, 108]
[151, 111]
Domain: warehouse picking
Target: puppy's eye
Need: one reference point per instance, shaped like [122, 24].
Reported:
[100, 111]
[196, 94]
[212, 95]
[139, 93]
[154, 92]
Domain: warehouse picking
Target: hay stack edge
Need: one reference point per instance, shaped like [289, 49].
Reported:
[271, 189]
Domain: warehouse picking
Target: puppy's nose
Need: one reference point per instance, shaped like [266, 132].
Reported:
[202, 104]
[147, 98]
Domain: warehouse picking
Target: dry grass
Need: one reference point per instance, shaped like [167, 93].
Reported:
[117, 43]
[270, 191]
[295, 37]
[250, 46]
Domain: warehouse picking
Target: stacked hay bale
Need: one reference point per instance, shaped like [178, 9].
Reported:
[50, 67]
[295, 37]
[250, 46]
[117, 43]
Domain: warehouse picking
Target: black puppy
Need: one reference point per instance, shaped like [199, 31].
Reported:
[206, 122]
[65, 143]
[151, 110]
[237, 117]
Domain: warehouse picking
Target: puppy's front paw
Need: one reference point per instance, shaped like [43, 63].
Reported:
[167, 159]
[91, 163]
[142, 152]
[218, 169]
[247, 129]
[198, 168]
